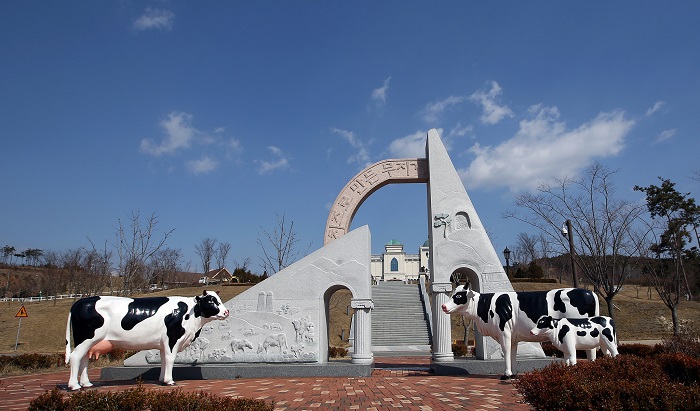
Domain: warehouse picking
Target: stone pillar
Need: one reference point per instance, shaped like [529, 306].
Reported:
[442, 329]
[363, 331]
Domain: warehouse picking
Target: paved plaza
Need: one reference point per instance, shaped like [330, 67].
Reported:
[402, 383]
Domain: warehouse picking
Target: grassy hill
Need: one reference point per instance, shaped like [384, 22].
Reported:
[44, 330]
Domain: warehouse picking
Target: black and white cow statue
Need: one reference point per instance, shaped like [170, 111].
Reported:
[571, 334]
[509, 317]
[167, 323]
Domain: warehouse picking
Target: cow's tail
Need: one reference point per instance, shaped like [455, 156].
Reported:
[68, 339]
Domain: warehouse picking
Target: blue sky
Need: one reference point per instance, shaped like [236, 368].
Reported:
[217, 115]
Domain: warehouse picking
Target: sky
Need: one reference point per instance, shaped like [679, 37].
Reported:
[219, 116]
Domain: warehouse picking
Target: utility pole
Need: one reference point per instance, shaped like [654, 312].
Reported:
[569, 232]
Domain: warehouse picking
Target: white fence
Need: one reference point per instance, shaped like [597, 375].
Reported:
[51, 297]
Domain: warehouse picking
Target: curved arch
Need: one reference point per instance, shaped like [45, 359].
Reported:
[366, 182]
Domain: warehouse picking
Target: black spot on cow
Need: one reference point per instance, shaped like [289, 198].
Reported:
[559, 303]
[533, 304]
[607, 332]
[85, 319]
[562, 333]
[594, 333]
[580, 322]
[460, 298]
[504, 309]
[173, 324]
[483, 307]
[141, 309]
[581, 333]
[600, 321]
[207, 306]
[583, 301]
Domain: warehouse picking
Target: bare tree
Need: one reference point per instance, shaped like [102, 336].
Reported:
[136, 244]
[221, 254]
[71, 261]
[602, 226]
[165, 265]
[526, 248]
[280, 248]
[205, 251]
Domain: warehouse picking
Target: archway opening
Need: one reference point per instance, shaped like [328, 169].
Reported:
[339, 318]
[462, 328]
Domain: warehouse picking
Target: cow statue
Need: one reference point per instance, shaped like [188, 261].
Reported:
[508, 317]
[571, 334]
[170, 324]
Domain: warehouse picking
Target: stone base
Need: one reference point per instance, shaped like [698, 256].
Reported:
[471, 365]
[234, 371]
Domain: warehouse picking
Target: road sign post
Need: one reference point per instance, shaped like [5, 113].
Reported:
[20, 314]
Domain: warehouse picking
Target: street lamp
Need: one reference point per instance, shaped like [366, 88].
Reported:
[567, 231]
[506, 255]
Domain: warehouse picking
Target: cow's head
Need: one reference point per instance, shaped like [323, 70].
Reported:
[210, 305]
[462, 300]
[545, 325]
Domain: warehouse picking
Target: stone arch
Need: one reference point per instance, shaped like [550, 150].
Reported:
[366, 182]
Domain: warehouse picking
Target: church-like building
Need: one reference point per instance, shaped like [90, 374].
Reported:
[396, 265]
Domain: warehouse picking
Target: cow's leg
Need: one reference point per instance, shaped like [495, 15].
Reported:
[570, 353]
[78, 366]
[167, 360]
[507, 348]
[591, 354]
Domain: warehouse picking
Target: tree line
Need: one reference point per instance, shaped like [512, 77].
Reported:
[137, 258]
[614, 240]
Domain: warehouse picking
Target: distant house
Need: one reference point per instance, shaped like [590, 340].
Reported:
[396, 265]
[220, 275]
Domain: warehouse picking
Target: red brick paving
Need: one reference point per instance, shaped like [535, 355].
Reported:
[398, 383]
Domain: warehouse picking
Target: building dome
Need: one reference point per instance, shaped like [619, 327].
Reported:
[394, 242]
[426, 243]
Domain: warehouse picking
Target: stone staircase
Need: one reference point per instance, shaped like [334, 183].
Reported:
[398, 319]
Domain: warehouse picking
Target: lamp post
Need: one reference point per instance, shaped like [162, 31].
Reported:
[568, 232]
[506, 255]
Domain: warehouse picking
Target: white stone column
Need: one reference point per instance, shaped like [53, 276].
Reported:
[442, 329]
[363, 331]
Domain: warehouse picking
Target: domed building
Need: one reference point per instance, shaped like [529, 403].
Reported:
[396, 265]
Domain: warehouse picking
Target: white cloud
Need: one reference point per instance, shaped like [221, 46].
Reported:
[460, 131]
[665, 135]
[432, 111]
[154, 19]
[493, 112]
[543, 148]
[379, 94]
[179, 134]
[361, 156]
[202, 166]
[279, 161]
[410, 146]
[656, 107]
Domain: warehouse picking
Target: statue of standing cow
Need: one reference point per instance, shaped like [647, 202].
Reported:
[509, 317]
[101, 324]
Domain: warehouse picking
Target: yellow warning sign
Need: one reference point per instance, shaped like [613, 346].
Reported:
[22, 312]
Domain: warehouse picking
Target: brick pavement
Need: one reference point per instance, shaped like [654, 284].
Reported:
[402, 383]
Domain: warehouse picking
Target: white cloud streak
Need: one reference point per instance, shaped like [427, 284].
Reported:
[493, 113]
[203, 165]
[179, 134]
[379, 94]
[543, 147]
[278, 162]
[432, 111]
[361, 156]
[656, 107]
[156, 19]
[665, 135]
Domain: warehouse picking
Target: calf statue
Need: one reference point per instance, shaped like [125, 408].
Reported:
[569, 334]
[509, 317]
[168, 323]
